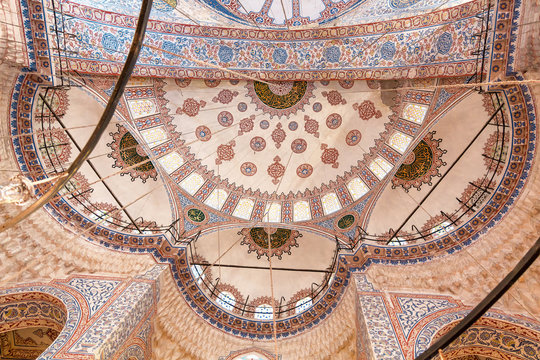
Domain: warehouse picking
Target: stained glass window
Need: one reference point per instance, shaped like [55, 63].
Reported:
[217, 198]
[380, 167]
[399, 141]
[330, 203]
[171, 162]
[251, 356]
[396, 241]
[357, 188]
[443, 228]
[263, 312]
[301, 211]
[244, 208]
[303, 304]
[192, 183]
[197, 272]
[155, 136]
[226, 300]
[414, 113]
[142, 108]
[272, 212]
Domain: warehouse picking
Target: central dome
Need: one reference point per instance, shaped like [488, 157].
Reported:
[276, 139]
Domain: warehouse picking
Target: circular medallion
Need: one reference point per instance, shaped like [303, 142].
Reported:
[182, 82]
[299, 146]
[333, 121]
[346, 84]
[293, 125]
[211, 83]
[264, 124]
[257, 143]
[242, 106]
[419, 165]
[409, 159]
[248, 169]
[353, 137]
[346, 222]
[196, 215]
[304, 170]
[281, 95]
[317, 107]
[234, 81]
[225, 118]
[203, 133]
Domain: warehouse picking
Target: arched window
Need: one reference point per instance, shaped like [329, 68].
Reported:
[442, 228]
[226, 300]
[399, 141]
[251, 356]
[197, 272]
[303, 304]
[397, 241]
[414, 113]
[263, 312]
[380, 167]
[330, 203]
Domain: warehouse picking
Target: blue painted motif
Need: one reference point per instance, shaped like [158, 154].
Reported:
[444, 43]
[96, 292]
[109, 42]
[332, 54]
[388, 50]
[402, 4]
[280, 56]
[225, 54]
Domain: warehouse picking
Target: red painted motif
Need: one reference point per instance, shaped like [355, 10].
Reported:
[248, 169]
[330, 156]
[334, 97]
[311, 126]
[278, 135]
[333, 121]
[203, 133]
[304, 171]
[212, 82]
[257, 143]
[366, 110]
[225, 118]
[191, 107]
[225, 152]
[183, 83]
[225, 96]
[276, 170]
[353, 137]
[246, 125]
[298, 146]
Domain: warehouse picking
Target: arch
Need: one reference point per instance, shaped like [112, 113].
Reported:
[494, 335]
[45, 306]
[134, 352]
[251, 353]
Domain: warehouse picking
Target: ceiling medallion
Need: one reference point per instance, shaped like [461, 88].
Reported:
[421, 164]
[280, 98]
[127, 152]
[346, 222]
[281, 240]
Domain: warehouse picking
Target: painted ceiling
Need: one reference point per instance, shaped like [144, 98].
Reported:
[275, 13]
[307, 174]
[439, 44]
